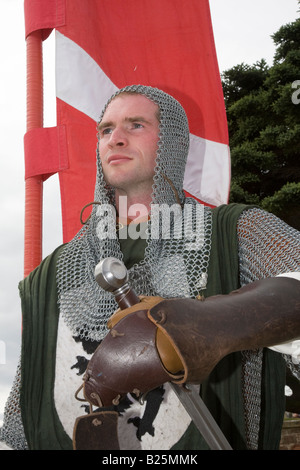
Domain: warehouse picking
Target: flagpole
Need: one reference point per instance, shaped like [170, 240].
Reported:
[33, 185]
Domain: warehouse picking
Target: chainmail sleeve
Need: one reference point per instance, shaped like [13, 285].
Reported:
[12, 432]
[267, 246]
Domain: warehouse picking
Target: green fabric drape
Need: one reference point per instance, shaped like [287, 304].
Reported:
[42, 426]
[222, 392]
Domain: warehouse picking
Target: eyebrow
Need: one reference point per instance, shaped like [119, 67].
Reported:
[105, 124]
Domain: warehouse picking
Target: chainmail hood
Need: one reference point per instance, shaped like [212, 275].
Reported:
[172, 151]
[85, 306]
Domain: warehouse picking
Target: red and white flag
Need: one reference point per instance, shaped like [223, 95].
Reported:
[104, 45]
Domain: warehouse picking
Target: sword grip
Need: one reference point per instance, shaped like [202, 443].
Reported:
[127, 299]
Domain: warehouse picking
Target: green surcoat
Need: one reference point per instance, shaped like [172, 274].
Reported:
[222, 392]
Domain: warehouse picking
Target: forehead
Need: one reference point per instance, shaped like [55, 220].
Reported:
[127, 104]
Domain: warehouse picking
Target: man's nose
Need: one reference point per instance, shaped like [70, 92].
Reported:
[117, 137]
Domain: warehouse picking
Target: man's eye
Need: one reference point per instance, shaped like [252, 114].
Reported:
[106, 131]
[137, 125]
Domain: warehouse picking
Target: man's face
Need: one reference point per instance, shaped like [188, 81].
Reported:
[128, 142]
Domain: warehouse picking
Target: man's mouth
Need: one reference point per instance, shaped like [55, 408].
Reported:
[117, 158]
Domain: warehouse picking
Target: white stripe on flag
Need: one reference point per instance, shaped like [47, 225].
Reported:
[79, 80]
[207, 174]
[81, 83]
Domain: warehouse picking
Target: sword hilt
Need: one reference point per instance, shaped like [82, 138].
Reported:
[111, 274]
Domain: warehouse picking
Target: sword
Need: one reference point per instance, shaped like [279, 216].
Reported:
[111, 274]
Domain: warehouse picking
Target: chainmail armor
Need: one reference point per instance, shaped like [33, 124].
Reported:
[167, 269]
[261, 257]
[12, 432]
[174, 266]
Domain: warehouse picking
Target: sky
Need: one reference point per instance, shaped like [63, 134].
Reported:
[242, 32]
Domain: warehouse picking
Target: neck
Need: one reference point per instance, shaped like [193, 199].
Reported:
[133, 207]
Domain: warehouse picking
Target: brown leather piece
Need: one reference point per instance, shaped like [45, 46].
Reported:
[126, 361]
[145, 303]
[168, 355]
[261, 314]
[96, 431]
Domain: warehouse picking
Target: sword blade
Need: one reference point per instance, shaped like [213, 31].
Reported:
[201, 416]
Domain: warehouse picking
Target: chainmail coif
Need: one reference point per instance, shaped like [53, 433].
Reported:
[164, 271]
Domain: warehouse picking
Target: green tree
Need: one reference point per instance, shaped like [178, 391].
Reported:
[264, 128]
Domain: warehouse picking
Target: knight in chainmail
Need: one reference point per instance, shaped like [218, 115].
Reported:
[73, 310]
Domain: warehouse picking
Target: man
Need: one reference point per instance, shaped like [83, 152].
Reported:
[194, 253]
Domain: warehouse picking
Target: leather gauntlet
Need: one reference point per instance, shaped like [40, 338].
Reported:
[261, 314]
[127, 360]
[196, 336]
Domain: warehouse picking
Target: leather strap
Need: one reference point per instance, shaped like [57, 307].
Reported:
[96, 431]
[127, 361]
